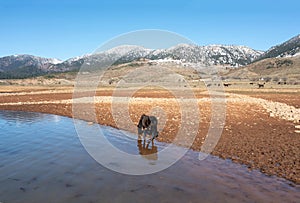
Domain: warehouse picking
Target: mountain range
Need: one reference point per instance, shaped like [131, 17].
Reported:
[23, 66]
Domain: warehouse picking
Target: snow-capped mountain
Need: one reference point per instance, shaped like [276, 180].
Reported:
[187, 53]
[213, 54]
[126, 53]
[288, 48]
[25, 65]
[20, 66]
[27, 60]
[128, 49]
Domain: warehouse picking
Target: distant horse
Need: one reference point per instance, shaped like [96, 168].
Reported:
[261, 85]
[226, 84]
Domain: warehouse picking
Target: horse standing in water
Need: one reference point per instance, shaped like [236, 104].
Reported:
[148, 125]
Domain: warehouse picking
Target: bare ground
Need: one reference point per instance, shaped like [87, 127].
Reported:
[253, 134]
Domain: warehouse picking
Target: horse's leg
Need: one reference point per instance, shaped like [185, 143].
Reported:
[144, 135]
[152, 142]
[154, 132]
[153, 135]
[140, 132]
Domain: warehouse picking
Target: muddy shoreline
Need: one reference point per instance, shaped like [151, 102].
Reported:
[251, 135]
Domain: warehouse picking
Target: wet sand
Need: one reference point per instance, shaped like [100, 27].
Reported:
[253, 134]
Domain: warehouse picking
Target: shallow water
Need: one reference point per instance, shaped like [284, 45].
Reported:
[42, 160]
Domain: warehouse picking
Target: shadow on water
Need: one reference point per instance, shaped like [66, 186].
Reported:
[42, 160]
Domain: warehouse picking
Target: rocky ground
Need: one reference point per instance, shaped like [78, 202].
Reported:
[261, 129]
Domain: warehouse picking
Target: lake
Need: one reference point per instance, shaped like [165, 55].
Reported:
[42, 160]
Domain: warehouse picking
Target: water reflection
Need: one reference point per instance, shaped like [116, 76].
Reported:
[147, 150]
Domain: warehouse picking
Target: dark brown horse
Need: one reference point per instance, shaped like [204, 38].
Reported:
[226, 84]
[148, 125]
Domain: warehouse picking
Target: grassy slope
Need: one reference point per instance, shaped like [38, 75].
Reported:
[273, 67]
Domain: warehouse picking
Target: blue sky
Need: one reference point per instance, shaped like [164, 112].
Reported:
[67, 28]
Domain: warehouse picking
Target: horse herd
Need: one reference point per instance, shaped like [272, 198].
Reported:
[260, 85]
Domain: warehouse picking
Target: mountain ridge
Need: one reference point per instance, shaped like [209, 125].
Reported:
[22, 66]
[288, 48]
